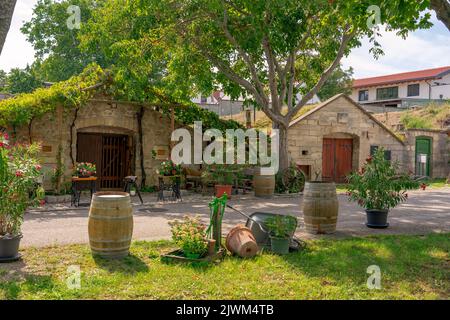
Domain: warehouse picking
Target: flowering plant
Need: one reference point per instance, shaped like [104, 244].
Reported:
[169, 168]
[190, 235]
[379, 185]
[19, 170]
[85, 169]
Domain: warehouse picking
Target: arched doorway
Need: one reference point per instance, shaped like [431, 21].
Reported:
[339, 156]
[111, 153]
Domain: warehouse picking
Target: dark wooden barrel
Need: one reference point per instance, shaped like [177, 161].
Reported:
[110, 224]
[320, 207]
[264, 185]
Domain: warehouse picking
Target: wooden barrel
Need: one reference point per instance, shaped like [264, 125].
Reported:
[110, 224]
[264, 185]
[320, 207]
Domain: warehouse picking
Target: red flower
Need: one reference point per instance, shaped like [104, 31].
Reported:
[369, 159]
[42, 203]
[1, 144]
[19, 173]
[423, 186]
[38, 167]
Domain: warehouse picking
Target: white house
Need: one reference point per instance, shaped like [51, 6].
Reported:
[402, 90]
[220, 103]
[223, 105]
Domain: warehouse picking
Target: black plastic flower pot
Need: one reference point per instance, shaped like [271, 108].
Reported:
[377, 218]
[280, 245]
[9, 248]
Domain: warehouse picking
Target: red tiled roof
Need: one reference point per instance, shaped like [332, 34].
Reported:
[401, 77]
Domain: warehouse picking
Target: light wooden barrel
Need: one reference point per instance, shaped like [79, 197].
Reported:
[264, 185]
[110, 224]
[320, 207]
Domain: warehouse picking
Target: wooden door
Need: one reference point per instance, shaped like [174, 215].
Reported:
[336, 159]
[110, 153]
[114, 161]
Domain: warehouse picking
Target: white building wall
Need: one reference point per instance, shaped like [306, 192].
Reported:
[436, 91]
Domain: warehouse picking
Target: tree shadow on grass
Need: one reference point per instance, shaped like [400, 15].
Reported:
[130, 264]
[399, 258]
[15, 278]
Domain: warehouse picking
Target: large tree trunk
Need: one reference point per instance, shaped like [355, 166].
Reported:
[442, 9]
[283, 154]
[6, 13]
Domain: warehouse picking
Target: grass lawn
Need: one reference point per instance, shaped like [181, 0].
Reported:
[412, 267]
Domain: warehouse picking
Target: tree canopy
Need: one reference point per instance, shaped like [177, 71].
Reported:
[269, 51]
[340, 81]
[56, 45]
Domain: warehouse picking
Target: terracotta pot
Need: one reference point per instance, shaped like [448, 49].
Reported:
[221, 189]
[240, 241]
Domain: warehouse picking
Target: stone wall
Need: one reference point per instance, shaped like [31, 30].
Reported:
[339, 118]
[98, 116]
[440, 153]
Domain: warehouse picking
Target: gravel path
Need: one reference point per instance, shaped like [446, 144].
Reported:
[424, 212]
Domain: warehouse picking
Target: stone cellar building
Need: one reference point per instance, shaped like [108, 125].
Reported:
[337, 136]
[121, 138]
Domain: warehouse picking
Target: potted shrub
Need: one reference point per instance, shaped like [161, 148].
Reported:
[281, 228]
[379, 187]
[223, 177]
[190, 236]
[85, 169]
[19, 171]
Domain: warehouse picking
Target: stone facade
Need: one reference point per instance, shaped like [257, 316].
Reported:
[58, 133]
[440, 153]
[340, 117]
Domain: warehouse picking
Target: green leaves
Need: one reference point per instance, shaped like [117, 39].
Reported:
[379, 185]
[71, 93]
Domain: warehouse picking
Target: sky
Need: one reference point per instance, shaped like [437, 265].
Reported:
[421, 50]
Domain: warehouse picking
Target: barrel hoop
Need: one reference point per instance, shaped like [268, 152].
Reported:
[126, 248]
[110, 241]
[109, 217]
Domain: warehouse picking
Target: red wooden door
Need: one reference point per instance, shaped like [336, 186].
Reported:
[336, 159]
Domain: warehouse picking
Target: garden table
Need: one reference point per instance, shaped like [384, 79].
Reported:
[80, 184]
[170, 183]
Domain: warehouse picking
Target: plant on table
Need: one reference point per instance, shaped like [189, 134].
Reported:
[19, 171]
[85, 169]
[169, 168]
[379, 186]
[223, 176]
[190, 236]
[281, 228]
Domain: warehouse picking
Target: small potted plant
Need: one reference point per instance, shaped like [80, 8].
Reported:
[281, 229]
[223, 177]
[85, 169]
[190, 236]
[169, 168]
[19, 171]
[379, 187]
